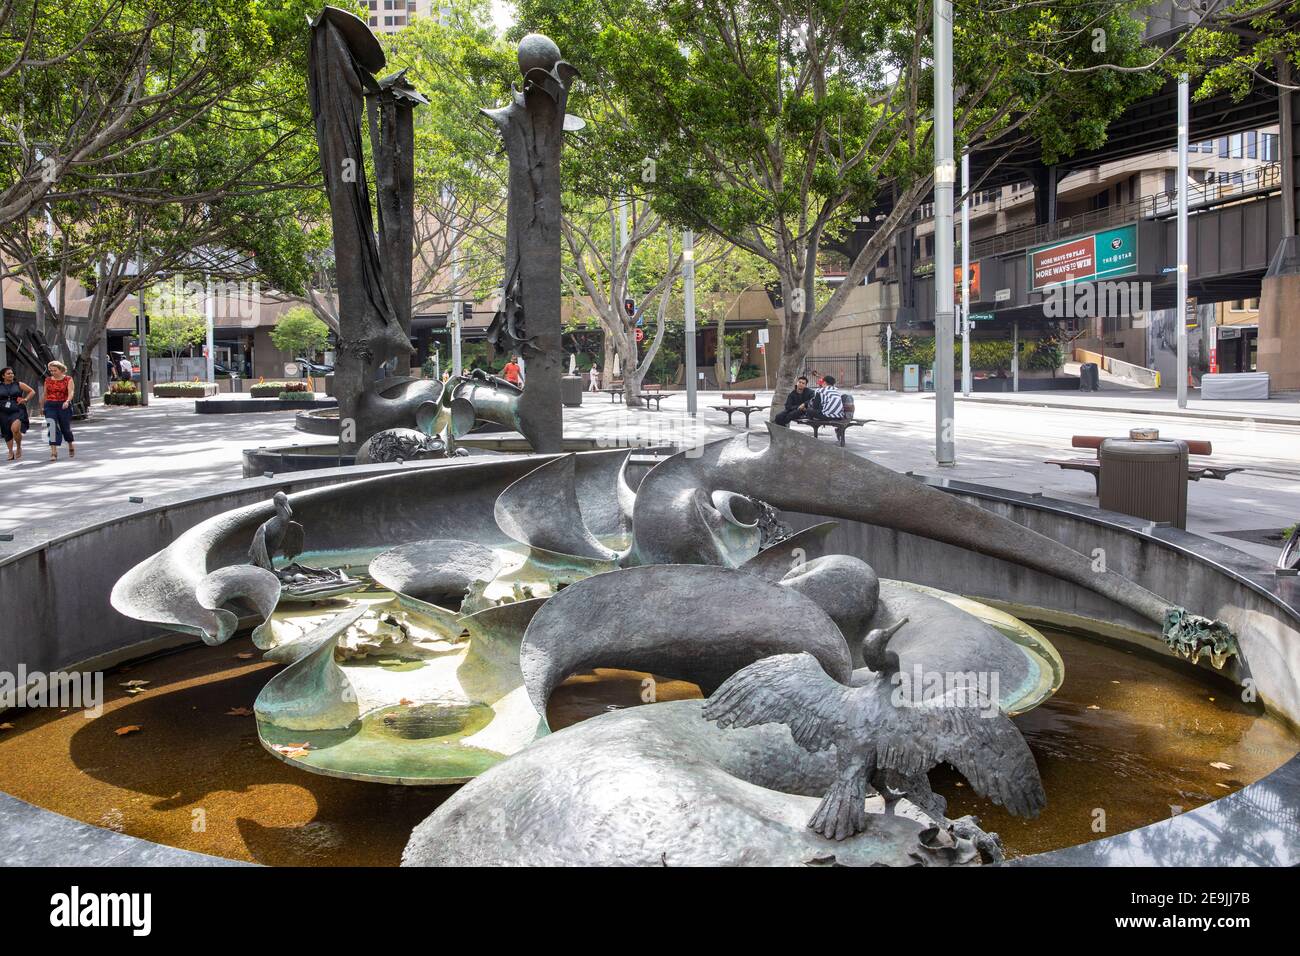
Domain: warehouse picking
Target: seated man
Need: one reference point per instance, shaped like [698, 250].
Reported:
[832, 404]
[798, 404]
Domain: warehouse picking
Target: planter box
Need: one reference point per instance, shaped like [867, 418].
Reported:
[184, 390]
[121, 398]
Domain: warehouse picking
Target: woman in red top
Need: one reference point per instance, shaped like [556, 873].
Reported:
[59, 392]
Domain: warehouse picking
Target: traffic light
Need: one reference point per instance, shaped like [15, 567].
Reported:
[466, 312]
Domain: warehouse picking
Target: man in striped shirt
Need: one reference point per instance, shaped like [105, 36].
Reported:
[830, 401]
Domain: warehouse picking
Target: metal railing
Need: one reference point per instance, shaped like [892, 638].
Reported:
[1216, 192]
[847, 369]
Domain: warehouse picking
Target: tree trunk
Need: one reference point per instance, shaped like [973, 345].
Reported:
[720, 370]
[607, 370]
[632, 373]
[791, 360]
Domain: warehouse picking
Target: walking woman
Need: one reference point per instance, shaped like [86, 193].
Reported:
[13, 411]
[59, 392]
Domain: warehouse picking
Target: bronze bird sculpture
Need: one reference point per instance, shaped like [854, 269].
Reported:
[873, 730]
[279, 534]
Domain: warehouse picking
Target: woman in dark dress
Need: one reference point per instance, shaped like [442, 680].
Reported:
[13, 411]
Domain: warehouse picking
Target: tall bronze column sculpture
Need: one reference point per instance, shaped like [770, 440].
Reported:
[532, 126]
[373, 295]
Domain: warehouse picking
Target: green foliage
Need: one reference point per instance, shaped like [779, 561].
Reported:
[170, 333]
[300, 332]
[987, 355]
[181, 389]
[275, 389]
[122, 396]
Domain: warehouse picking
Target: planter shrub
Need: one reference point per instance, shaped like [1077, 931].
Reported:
[273, 389]
[183, 390]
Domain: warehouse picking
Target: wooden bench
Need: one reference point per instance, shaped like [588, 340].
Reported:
[615, 393]
[1093, 465]
[745, 408]
[653, 393]
[841, 425]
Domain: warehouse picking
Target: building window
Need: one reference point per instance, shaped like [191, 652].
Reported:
[374, 21]
[1234, 146]
[1251, 144]
[1223, 147]
[1268, 147]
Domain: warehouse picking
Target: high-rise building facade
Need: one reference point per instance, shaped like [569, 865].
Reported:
[389, 16]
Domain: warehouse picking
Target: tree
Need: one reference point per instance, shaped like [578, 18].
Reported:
[171, 333]
[774, 126]
[300, 332]
[215, 197]
[84, 82]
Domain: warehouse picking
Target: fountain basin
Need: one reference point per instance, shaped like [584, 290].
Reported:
[1207, 577]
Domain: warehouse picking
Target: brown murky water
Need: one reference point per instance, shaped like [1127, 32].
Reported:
[1127, 734]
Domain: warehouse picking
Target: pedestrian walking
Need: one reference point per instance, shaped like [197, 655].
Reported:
[512, 373]
[59, 393]
[13, 411]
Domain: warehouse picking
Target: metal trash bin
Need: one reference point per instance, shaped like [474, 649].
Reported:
[1146, 479]
[1089, 377]
[571, 391]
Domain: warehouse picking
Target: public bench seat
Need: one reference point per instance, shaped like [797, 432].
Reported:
[1093, 465]
[841, 425]
[746, 407]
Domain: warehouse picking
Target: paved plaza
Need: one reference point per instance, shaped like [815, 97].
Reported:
[1001, 440]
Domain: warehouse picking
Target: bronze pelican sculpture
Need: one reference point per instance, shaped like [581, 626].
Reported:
[875, 729]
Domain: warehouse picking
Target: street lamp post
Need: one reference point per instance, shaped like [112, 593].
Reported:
[965, 274]
[945, 174]
[1181, 317]
[210, 318]
[688, 286]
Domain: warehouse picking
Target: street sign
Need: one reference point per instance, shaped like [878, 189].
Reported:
[982, 316]
[1002, 295]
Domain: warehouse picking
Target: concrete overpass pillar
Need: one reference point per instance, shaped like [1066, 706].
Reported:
[1279, 300]
[1045, 181]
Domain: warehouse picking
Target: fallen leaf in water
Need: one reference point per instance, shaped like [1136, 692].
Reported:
[239, 712]
[1093, 707]
[132, 691]
[295, 754]
[133, 683]
[292, 750]
[1220, 765]
[128, 729]
[6, 726]
[244, 656]
[406, 703]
